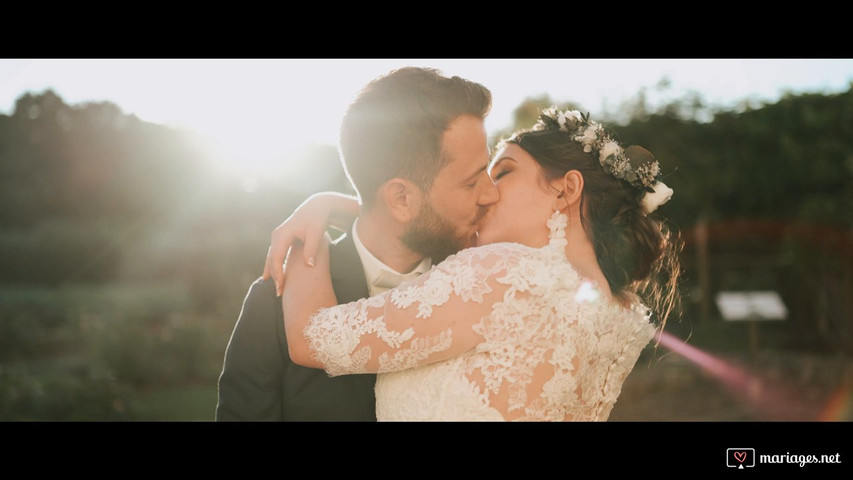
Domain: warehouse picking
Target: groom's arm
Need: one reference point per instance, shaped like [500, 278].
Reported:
[250, 383]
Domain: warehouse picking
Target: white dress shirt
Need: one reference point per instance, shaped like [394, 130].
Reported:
[380, 277]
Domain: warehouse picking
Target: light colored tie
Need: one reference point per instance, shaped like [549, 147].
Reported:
[388, 280]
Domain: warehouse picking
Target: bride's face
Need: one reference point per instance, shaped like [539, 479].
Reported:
[525, 204]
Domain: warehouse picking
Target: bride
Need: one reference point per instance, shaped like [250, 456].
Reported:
[543, 320]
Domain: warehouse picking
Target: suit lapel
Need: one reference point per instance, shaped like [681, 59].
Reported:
[350, 285]
[347, 272]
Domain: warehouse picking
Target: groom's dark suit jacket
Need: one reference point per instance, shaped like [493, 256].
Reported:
[259, 382]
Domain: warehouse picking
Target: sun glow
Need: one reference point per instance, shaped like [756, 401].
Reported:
[250, 114]
[255, 111]
[254, 143]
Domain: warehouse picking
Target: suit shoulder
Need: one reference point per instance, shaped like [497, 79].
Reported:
[261, 297]
[261, 287]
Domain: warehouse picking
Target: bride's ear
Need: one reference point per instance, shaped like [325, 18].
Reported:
[571, 188]
[402, 199]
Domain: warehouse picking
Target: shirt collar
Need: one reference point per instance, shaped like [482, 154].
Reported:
[381, 277]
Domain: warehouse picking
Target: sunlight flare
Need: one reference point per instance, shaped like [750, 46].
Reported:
[770, 400]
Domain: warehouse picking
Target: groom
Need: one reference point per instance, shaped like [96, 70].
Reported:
[414, 146]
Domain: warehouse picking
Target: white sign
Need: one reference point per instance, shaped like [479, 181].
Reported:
[759, 305]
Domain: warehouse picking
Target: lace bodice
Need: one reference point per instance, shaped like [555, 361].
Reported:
[498, 332]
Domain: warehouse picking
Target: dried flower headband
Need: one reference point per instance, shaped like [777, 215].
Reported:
[613, 158]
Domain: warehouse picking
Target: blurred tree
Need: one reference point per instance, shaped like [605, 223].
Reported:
[80, 183]
[526, 115]
[89, 161]
[93, 197]
[775, 182]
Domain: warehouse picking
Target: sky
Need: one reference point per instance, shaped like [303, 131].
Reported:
[253, 111]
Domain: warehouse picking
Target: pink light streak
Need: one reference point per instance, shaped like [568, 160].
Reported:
[840, 406]
[728, 374]
[771, 402]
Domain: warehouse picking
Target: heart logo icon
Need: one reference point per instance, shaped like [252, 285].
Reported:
[740, 456]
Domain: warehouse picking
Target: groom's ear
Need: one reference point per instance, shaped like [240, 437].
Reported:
[402, 198]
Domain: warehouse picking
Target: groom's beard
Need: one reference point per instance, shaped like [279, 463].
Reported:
[433, 236]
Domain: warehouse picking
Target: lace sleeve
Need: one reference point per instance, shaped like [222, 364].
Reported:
[427, 320]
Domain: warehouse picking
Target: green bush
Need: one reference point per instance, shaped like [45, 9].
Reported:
[32, 327]
[83, 395]
[61, 250]
[171, 350]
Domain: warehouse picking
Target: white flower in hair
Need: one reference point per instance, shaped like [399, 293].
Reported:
[561, 119]
[610, 148]
[565, 116]
[588, 137]
[652, 200]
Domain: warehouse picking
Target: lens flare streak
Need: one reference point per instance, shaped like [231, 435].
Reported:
[840, 406]
[768, 401]
[728, 374]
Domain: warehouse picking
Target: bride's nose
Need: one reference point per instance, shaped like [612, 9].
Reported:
[488, 193]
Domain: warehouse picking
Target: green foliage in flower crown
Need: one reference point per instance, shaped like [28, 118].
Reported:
[641, 173]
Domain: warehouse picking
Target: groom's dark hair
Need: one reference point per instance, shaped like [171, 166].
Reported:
[394, 127]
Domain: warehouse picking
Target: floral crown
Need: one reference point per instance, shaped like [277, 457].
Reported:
[615, 160]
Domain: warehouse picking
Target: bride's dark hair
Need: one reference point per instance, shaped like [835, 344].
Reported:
[638, 253]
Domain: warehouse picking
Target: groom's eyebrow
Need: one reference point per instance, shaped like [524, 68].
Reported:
[474, 175]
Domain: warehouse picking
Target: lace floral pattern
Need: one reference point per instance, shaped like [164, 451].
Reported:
[499, 332]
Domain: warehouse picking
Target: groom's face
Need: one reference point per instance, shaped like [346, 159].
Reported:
[460, 195]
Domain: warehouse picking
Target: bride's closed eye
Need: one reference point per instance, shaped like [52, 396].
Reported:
[497, 176]
[500, 168]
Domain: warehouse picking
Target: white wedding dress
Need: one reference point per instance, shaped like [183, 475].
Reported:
[498, 332]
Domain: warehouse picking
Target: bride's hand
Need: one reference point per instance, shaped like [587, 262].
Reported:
[307, 224]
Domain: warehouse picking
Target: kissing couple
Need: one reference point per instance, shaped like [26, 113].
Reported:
[466, 286]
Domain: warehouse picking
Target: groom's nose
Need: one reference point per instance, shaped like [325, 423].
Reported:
[488, 194]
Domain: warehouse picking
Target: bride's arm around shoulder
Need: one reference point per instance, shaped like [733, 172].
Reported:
[427, 320]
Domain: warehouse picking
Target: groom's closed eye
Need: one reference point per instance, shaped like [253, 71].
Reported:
[471, 180]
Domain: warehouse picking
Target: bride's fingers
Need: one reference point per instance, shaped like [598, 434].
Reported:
[280, 243]
[278, 255]
[279, 274]
[312, 244]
